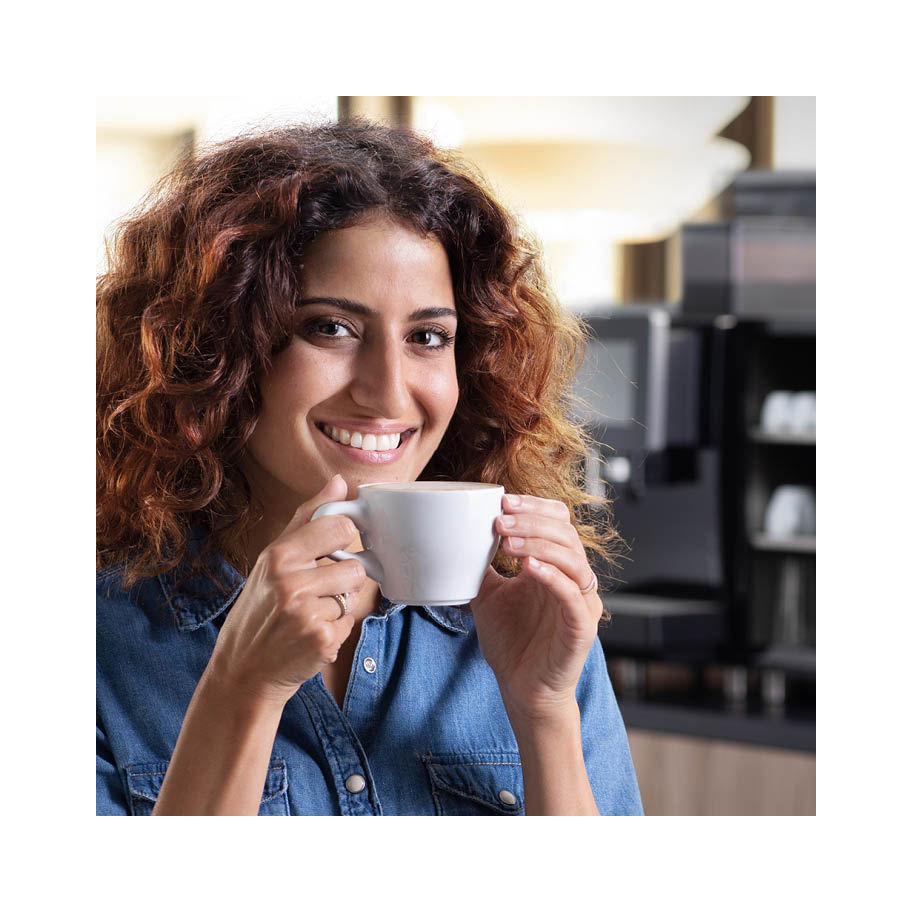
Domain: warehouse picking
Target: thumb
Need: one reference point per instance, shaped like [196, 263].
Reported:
[335, 489]
[489, 583]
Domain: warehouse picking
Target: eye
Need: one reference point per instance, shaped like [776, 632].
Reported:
[325, 328]
[445, 338]
[432, 332]
[323, 324]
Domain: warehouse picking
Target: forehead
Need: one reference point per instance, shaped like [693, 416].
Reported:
[379, 260]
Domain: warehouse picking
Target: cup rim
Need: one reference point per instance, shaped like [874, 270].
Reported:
[462, 486]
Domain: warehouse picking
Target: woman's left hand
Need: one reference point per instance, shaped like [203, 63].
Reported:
[536, 630]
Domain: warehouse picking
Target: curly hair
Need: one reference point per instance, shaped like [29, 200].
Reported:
[199, 296]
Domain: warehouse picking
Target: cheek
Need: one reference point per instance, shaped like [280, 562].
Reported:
[443, 392]
[285, 395]
[296, 381]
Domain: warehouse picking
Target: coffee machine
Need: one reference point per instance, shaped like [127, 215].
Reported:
[673, 396]
[652, 397]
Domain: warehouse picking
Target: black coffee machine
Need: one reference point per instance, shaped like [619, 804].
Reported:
[672, 395]
[653, 384]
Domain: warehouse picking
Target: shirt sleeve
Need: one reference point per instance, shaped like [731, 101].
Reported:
[110, 800]
[606, 750]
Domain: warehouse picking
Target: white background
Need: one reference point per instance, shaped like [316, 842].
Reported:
[61, 854]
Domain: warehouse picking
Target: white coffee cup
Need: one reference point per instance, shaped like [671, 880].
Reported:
[426, 542]
[791, 511]
[803, 419]
[776, 413]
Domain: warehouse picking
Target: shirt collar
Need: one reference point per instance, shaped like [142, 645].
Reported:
[203, 597]
[450, 617]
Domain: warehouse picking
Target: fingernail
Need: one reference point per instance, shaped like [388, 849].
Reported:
[508, 521]
[517, 542]
[513, 500]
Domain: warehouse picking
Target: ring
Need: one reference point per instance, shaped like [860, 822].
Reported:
[343, 604]
[591, 585]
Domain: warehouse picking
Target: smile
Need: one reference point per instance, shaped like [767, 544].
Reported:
[371, 449]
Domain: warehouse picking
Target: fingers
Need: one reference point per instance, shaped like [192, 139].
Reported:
[526, 503]
[537, 525]
[334, 490]
[541, 528]
[312, 590]
[570, 562]
[574, 607]
[345, 576]
[299, 548]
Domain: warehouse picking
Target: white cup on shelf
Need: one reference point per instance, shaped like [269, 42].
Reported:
[803, 418]
[791, 512]
[776, 413]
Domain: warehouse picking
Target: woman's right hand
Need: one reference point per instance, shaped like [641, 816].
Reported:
[285, 625]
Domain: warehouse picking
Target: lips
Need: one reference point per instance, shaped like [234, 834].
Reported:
[367, 457]
[403, 435]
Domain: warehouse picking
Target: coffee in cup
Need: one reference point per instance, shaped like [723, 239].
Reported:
[426, 542]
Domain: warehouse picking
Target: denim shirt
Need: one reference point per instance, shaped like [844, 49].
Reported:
[422, 729]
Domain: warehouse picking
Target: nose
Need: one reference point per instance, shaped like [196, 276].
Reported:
[381, 380]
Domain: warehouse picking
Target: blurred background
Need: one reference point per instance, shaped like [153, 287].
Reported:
[683, 230]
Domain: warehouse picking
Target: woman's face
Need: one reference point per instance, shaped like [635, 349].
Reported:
[373, 353]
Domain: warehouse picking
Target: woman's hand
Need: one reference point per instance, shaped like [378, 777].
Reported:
[285, 625]
[536, 630]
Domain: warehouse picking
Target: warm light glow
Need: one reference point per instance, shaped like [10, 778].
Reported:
[590, 173]
[138, 138]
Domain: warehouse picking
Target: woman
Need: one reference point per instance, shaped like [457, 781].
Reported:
[283, 304]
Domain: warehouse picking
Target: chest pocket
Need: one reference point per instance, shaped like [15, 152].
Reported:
[144, 782]
[476, 783]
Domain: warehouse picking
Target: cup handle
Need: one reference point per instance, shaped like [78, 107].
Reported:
[355, 510]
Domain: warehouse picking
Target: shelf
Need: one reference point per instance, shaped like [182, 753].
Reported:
[799, 325]
[801, 544]
[788, 730]
[758, 435]
[797, 660]
[642, 623]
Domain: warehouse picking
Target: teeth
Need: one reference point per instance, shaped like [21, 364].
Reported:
[367, 442]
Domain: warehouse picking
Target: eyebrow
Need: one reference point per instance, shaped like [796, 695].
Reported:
[425, 313]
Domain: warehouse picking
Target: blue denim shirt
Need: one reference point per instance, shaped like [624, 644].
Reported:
[422, 730]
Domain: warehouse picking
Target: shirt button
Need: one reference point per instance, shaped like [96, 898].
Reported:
[507, 797]
[355, 784]
[370, 666]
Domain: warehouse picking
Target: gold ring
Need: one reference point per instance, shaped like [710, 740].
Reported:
[591, 585]
[343, 604]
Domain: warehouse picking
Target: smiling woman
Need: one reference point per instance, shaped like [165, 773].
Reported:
[291, 314]
[205, 287]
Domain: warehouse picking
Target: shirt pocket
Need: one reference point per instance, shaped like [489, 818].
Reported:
[144, 782]
[476, 783]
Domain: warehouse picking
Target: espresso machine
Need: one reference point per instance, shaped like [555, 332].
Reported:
[653, 389]
[672, 396]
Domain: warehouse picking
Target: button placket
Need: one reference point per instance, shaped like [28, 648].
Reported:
[360, 703]
[343, 751]
[367, 678]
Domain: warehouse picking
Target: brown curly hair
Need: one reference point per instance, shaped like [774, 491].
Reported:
[199, 296]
